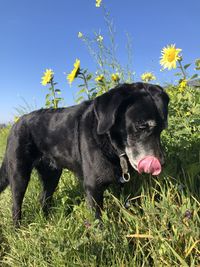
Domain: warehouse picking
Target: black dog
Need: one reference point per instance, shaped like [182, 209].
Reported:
[97, 140]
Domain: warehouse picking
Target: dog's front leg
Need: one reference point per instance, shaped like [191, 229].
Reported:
[95, 199]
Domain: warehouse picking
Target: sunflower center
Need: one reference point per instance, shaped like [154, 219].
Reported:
[171, 55]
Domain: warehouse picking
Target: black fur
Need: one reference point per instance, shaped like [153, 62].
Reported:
[86, 139]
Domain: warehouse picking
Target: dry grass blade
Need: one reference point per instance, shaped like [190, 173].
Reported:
[140, 236]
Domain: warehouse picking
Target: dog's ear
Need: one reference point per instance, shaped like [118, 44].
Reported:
[161, 100]
[106, 106]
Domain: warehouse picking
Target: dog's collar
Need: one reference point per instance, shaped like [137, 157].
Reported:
[125, 178]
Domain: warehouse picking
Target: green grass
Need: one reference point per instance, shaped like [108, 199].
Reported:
[160, 228]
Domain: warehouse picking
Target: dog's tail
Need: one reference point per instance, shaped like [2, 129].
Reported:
[4, 182]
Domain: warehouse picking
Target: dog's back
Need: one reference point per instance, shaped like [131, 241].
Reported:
[48, 135]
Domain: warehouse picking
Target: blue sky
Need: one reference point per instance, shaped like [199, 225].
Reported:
[41, 34]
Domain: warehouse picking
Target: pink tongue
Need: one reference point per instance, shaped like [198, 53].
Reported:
[149, 164]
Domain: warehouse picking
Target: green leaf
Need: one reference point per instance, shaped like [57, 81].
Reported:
[81, 85]
[47, 96]
[58, 99]
[193, 169]
[178, 74]
[183, 263]
[48, 104]
[81, 91]
[186, 66]
[89, 77]
[81, 98]
[93, 89]
[58, 91]
[194, 76]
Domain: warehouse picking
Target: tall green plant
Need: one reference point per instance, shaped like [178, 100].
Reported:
[52, 99]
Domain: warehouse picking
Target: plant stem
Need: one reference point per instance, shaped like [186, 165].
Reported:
[86, 84]
[55, 103]
[182, 69]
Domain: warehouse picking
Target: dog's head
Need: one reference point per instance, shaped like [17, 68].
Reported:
[133, 115]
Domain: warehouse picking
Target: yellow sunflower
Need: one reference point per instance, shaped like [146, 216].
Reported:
[98, 3]
[100, 39]
[115, 77]
[182, 85]
[147, 76]
[47, 77]
[75, 71]
[80, 35]
[99, 78]
[169, 57]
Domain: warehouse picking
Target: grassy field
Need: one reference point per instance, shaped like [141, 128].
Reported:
[161, 226]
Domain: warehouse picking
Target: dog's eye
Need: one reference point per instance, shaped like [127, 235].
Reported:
[143, 127]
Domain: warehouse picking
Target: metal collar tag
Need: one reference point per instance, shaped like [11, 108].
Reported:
[124, 166]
